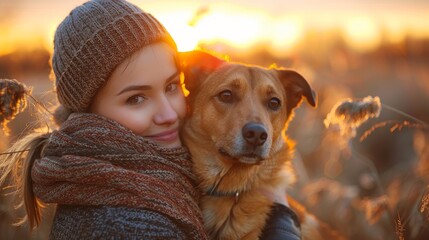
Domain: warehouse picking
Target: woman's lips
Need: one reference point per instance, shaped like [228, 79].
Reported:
[167, 136]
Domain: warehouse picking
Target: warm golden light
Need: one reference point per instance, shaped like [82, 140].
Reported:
[191, 24]
[20, 41]
[7, 44]
[176, 22]
[21, 34]
[362, 33]
[285, 35]
[184, 35]
[238, 29]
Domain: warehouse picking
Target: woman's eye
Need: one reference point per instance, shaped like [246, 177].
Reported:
[274, 103]
[172, 87]
[135, 100]
[225, 96]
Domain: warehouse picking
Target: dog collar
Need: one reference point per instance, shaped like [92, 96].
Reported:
[224, 194]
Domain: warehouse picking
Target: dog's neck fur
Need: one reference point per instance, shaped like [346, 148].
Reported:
[215, 181]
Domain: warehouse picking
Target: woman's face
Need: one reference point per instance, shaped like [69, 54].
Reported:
[144, 94]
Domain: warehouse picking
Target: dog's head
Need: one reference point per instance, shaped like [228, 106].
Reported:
[241, 110]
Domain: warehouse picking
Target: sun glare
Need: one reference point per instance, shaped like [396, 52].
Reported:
[285, 35]
[177, 25]
[185, 36]
[192, 24]
[362, 33]
[240, 30]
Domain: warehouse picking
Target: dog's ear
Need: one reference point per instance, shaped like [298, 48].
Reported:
[196, 65]
[296, 88]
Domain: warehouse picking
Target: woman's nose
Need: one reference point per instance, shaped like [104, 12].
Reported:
[165, 114]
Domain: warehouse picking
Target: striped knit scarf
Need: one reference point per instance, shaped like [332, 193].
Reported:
[92, 160]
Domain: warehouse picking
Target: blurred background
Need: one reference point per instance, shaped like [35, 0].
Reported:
[372, 188]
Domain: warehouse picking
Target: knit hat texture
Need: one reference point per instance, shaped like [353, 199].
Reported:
[92, 41]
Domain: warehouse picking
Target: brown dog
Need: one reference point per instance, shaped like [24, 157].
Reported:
[238, 115]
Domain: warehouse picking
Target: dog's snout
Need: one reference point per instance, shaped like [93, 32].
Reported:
[254, 133]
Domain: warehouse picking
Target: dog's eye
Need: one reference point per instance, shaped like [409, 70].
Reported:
[274, 103]
[225, 96]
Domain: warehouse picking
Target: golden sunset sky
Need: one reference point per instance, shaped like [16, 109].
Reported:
[279, 24]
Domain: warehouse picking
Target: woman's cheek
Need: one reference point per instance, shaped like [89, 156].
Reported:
[137, 121]
[180, 105]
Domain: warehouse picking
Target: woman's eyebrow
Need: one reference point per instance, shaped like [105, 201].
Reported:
[145, 87]
[134, 88]
[174, 75]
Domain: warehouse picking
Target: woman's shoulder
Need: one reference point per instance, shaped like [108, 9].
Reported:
[89, 222]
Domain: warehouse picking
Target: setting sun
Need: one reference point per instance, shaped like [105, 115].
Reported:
[240, 30]
[185, 36]
[176, 22]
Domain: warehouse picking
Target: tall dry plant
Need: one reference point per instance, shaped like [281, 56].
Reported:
[344, 119]
[424, 205]
[374, 208]
[12, 101]
[400, 228]
[347, 115]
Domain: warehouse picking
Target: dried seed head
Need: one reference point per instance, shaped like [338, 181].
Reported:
[374, 208]
[400, 228]
[424, 204]
[349, 114]
[12, 100]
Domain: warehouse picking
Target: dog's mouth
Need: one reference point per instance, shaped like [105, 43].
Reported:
[246, 158]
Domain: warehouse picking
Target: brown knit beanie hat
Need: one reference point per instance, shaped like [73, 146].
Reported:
[92, 41]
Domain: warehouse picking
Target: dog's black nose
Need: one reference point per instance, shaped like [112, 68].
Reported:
[254, 133]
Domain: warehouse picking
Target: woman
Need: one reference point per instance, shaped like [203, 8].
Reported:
[116, 166]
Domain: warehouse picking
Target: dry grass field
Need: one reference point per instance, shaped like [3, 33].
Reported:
[368, 179]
